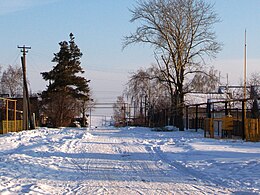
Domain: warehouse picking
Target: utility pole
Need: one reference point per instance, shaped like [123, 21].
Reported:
[244, 102]
[27, 116]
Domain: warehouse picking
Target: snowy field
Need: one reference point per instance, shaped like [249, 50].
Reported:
[126, 161]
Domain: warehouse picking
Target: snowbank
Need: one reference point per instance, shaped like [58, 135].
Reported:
[130, 160]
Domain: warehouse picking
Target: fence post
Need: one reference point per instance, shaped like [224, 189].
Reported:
[243, 119]
[226, 108]
[196, 120]
[7, 116]
[15, 125]
[187, 117]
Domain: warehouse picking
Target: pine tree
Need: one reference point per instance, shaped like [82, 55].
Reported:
[66, 88]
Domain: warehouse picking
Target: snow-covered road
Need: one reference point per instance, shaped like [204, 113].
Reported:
[126, 161]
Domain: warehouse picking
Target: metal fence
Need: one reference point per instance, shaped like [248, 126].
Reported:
[223, 121]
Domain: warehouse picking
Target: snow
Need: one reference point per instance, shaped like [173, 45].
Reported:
[131, 160]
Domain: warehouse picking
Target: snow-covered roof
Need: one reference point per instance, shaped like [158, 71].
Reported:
[199, 98]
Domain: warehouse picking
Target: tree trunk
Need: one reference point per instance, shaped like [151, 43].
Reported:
[178, 111]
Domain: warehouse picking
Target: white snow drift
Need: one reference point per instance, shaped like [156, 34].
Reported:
[126, 161]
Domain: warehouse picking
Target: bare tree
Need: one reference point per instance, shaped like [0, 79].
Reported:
[83, 107]
[205, 82]
[11, 81]
[60, 109]
[254, 84]
[254, 80]
[181, 33]
[146, 92]
[119, 109]
[138, 86]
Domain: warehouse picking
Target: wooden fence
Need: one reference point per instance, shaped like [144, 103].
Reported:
[232, 127]
[252, 131]
[11, 126]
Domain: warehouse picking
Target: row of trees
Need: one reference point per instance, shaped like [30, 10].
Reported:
[148, 95]
[148, 99]
[67, 94]
[181, 33]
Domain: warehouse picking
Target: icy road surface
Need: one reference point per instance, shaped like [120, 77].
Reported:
[126, 161]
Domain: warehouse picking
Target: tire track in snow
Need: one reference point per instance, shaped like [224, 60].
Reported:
[148, 171]
[192, 174]
[71, 145]
[183, 173]
[137, 170]
[154, 168]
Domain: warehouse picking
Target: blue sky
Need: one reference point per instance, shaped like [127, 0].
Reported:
[99, 27]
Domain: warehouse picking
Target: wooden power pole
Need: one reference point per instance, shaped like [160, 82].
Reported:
[27, 116]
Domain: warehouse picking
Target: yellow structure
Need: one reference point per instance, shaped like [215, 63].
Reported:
[9, 122]
[252, 127]
[209, 127]
[252, 130]
[227, 126]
